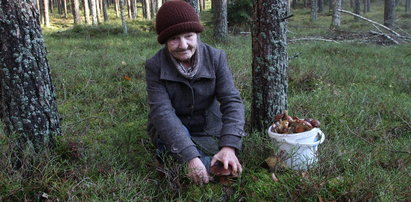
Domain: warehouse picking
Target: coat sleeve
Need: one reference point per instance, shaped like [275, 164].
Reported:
[231, 105]
[162, 115]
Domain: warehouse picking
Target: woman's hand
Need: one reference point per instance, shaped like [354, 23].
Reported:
[227, 157]
[197, 171]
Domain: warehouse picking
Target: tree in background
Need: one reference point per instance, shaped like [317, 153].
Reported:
[27, 101]
[314, 8]
[270, 62]
[46, 13]
[389, 13]
[239, 12]
[220, 20]
[93, 8]
[357, 9]
[76, 11]
[194, 4]
[123, 21]
[407, 6]
[336, 19]
[86, 12]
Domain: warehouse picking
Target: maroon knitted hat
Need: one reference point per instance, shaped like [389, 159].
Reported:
[176, 17]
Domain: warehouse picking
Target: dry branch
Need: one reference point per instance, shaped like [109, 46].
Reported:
[313, 39]
[385, 35]
[368, 20]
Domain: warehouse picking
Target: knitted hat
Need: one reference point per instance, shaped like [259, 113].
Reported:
[174, 18]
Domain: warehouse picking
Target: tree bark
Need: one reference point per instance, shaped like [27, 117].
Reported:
[123, 20]
[46, 13]
[194, 4]
[65, 8]
[389, 13]
[93, 7]
[133, 9]
[98, 11]
[407, 6]
[147, 5]
[220, 20]
[320, 6]
[336, 19]
[116, 5]
[105, 15]
[270, 62]
[27, 100]
[86, 12]
[357, 9]
[76, 12]
[314, 8]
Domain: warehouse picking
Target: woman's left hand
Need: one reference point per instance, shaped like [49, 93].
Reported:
[227, 157]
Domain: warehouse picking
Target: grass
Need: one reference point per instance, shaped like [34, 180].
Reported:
[359, 91]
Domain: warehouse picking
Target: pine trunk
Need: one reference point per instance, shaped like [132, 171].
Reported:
[98, 11]
[357, 9]
[116, 5]
[270, 62]
[27, 100]
[336, 19]
[93, 7]
[133, 9]
[105, 15]
[46, 13]
[123, 20]
[76, 12]
[86, 12]
[65, 8]
[220, 20]
[407, 6]
[389, 13]
[314, 8]
[194, 4]
[147, 9]
[320, 6]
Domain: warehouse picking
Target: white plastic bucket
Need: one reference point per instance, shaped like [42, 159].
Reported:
[300, 149]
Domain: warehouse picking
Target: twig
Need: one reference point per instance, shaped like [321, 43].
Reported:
[314, 39]
[384, 35]
[407, 123]
[368, 20]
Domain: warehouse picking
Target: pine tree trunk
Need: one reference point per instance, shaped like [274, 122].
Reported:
[194, 4]
[220, 20]
[336, 19]
[133, 9]
[76, 12]
[116, 5]
[105, 15]
[27, 100]
[98, 11]
[86, 12]
[314, 8]
[389, 13]
[270, 62]
[93, 7]
[407, 6]
[46, 13]
[320, 6]
[357, 9]
[123, 20]
[65, 8]
[51, 6]
[147, 5]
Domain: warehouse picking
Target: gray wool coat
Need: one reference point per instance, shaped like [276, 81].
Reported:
[208, 105]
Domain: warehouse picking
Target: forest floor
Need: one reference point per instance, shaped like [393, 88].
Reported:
[356, 83]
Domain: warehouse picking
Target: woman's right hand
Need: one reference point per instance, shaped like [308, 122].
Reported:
[197, 171]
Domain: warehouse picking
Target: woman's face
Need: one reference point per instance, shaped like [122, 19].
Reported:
[182, 46]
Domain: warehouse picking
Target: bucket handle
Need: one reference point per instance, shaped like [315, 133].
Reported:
[308, 144]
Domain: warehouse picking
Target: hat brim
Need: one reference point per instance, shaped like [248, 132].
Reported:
[179, 29]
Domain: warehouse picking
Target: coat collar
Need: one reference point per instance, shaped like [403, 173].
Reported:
[169, 72]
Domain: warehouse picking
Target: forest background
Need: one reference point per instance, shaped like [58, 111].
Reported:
[355, 82]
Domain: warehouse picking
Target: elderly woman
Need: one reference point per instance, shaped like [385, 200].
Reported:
[196, 113]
